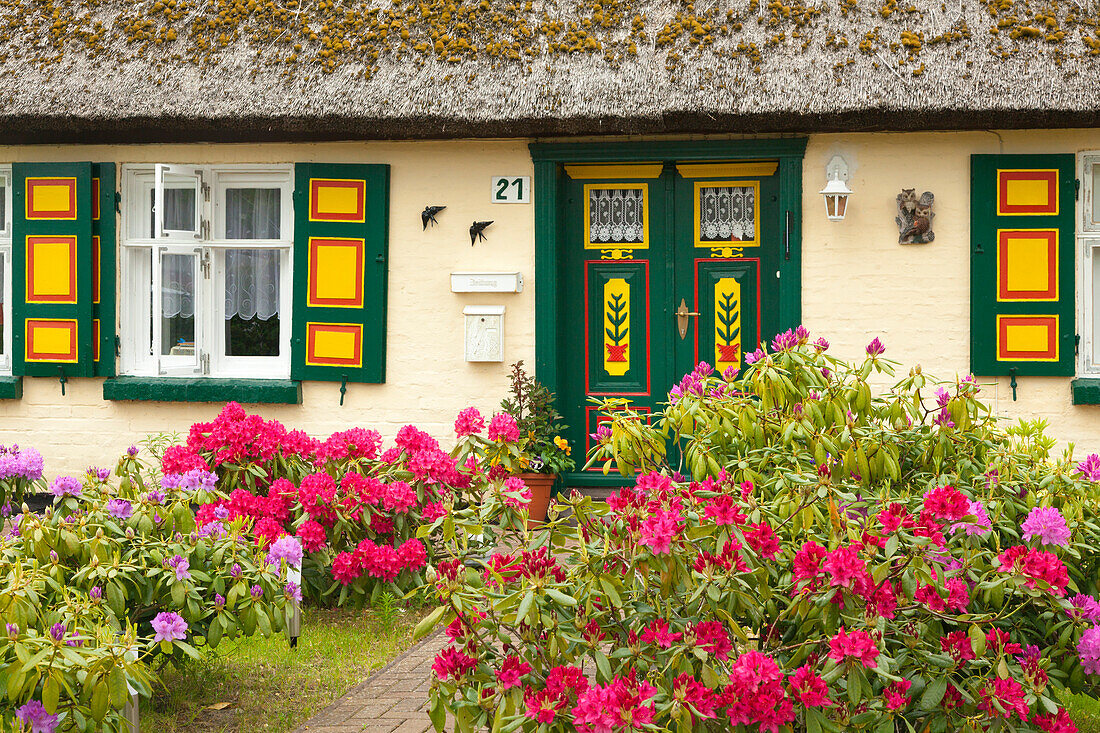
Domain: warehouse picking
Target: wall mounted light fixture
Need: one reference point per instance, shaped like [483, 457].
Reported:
[836, 191]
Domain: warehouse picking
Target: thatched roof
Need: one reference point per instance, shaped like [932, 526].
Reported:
[136, 70]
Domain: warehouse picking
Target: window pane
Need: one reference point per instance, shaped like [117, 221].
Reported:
[1096, 191]
[3, 205]
[179, 210]
[252, 302]
[252, 213]
[177, 304]
[3, 275]
[1095, 306]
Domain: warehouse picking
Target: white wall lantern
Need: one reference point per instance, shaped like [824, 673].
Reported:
[836, 191]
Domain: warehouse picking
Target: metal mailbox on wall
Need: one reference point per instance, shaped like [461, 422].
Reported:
[484, 332]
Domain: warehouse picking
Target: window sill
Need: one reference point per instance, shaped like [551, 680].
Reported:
[11, 388]
[1086, 390]
[170, 389]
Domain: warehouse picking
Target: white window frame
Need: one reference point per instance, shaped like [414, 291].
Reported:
[1087, 250]
[138, 255]
[5, 262]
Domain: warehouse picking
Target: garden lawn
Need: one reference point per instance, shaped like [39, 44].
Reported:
[1085, 712]
[269, 686]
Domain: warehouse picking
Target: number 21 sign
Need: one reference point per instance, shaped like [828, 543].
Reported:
[511, 190]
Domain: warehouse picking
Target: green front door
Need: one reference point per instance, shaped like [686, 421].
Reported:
[642, 242]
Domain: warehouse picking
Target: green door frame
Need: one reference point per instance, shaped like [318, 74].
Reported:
[549, 159]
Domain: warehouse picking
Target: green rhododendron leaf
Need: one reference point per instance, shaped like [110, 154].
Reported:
[933, 693]
[99, 701]
[117, 685]
[977, 639]
[428, 623]
[51, 692]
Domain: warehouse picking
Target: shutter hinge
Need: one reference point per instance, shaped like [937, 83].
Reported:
[118, 345]
[1076, 344]
[205, 190]
[118, 202]
[1077, 189]
[1012, 382]
[204, 363]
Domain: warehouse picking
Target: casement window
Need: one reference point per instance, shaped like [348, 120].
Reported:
[1022, 284]
[5, 270]
[1088, 263]
[206, 271]
[240, 271]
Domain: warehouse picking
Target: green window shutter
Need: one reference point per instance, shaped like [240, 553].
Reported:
[52, 269]
[1022, 290]
[341, 214]
[103, 268]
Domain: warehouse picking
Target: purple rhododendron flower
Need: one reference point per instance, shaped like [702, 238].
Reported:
[213, 529]
[65, 485]
[13, 631]
[286, 548]
[257, 591]
[875, 348]
[1084, 607]
[220, 512]
[5, 511]
[292, 590]
[23, 463]
[181, 565]
[132, 451]
[981, 523]
[169, 627]
[57, 631]
[156, 496]
[34, 714]
[95, 593]
[235, 571]
[1089, 650]
[1088, 468]
[219, 600]
[119, 508]
[821, 344]
[1048, 524]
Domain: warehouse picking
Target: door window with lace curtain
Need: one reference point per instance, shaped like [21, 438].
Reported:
[5, 269]
[207, 271]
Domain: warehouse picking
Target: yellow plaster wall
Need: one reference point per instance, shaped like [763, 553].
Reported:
[858, 282]
[428, 380]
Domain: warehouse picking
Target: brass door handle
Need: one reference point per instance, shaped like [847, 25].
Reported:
[682, 315]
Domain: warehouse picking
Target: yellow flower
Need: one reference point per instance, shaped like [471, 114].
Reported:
[562, 444]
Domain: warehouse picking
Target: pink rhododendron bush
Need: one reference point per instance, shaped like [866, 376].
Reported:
[115, 573]
[355, 507]
[794, 552]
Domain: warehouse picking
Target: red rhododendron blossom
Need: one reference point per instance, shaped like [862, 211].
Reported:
[469, 422]
[617, 707]
[399, 497]
[463, 624]
[503, 429]
[844, 566]
[1059, 722]
[511, 672]
[882, 601]
[659, 530]
[762, 538]
[515, 485]
[723, 510]
[1005, 695]
[807, 562]
[316, 494]
[690, 692]
[756, 693]
[452, 663]
[857, 645]
[345, 568]
[267, 530]
[1035, 565]
[809, 688]
[181, 459]
[658, 633]
[895, 517]
[542, 706]
[957, 644]
[946, 502]
[997, 640]
[895, 695]
[312, 535]
[353, 443]
[929, 596]
[958, 594]
[432, 511]
[712, 637]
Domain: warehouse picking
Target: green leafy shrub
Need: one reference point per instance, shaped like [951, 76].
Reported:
[797, 551]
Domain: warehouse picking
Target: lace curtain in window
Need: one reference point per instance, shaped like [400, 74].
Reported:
[251, 283]
[727, 213]
[177, 285]
[616, 215]
[252, 213]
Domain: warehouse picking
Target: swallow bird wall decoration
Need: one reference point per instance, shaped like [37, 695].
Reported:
[476, 230]
[428, 215]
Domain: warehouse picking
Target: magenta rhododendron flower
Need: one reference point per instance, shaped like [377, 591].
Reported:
[724, 511]
[511, 672]
[895, 695]
[469, 422]
[712, 637]
[1089, 469]
[981, 523]
[875, 348]
[503, 429]
[857, 645]
[958, 594]
[1059, 722]
[809, 688]
[930, 596]
[807, 562]
[946, 502]
[452, 663]
[958, 645]
[617, 707]
[33, 715]
[762, 538]
[285, 548]
[169, 627]
[756, 693]
[312, 535]
[1035, 565]
[689, 691]
[22, 463]
[65, 486]
[1009, 694]
[844, 566]
[1048, 524]
[895, 517]
[998, 641]
[119, 508]
[658, 633]
[1084, 607]
[659, 530]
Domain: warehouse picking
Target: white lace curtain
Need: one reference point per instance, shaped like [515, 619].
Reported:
[727, 213]
[251, 284]
[616, 215]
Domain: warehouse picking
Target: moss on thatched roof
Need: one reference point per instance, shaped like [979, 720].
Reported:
[225, 69]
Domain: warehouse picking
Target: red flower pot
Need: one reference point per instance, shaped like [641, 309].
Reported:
[540, 484]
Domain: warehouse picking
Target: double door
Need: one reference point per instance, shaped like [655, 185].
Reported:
[665, 265]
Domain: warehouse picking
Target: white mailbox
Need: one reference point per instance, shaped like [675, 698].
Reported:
[484, 332]
[486, 282]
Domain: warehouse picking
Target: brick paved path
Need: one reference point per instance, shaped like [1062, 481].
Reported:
[392, 700]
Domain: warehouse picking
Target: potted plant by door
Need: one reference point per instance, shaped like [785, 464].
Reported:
[543, 453]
